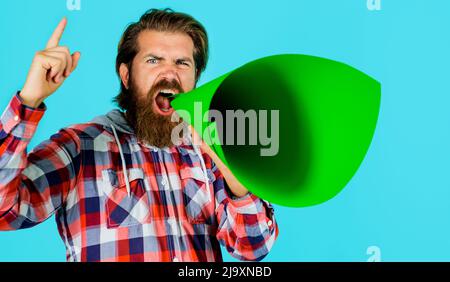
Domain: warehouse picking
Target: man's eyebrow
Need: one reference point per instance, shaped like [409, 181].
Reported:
[153, 56]
[185, 59]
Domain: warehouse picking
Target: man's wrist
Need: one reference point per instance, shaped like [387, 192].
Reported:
[29, 102]
[239, 194]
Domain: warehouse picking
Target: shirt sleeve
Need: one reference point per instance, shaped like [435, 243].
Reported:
[246, 225]
[33, 186]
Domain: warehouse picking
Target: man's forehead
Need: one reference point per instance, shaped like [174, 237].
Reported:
[162, 43]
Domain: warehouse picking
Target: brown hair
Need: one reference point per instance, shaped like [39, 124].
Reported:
[160, 20]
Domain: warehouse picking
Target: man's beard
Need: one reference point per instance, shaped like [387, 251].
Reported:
[150, 127]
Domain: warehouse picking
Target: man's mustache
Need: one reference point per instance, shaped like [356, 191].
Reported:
[166, 84]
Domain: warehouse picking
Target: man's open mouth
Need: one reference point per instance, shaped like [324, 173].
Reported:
[163, 99]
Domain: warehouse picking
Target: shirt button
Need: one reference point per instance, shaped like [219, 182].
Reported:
[16, 118]
[269, 223]
[175, 259]
[163, 182]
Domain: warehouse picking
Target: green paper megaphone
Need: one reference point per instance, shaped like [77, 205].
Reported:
[300, 125]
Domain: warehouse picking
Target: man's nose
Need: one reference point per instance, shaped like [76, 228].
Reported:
[169, 73]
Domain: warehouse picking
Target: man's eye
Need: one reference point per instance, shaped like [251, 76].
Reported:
[183, 63]
[152, 61]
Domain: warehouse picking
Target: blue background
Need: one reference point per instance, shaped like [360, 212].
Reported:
[399, 200]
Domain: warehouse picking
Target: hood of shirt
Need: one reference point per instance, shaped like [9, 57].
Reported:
[115, 118]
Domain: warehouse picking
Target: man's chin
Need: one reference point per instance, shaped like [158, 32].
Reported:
[153, 125]
[157, 131]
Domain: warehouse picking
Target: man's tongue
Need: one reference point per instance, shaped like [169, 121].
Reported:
[163, 103]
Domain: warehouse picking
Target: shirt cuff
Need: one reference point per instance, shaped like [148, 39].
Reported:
[251, 204]
[248, 201]
[19, 119]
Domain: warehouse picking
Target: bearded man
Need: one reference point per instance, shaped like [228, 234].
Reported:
[120, 186]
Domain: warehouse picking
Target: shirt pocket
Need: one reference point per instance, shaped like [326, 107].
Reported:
[198, 200]
[123, 209]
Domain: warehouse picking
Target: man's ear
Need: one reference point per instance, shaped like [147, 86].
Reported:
[124, 74]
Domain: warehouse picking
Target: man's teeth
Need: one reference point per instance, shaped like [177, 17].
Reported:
[167, 92]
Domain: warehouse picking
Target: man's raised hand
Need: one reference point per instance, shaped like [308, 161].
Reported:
[49, 69]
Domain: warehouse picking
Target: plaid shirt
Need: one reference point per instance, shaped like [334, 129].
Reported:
[170, 214]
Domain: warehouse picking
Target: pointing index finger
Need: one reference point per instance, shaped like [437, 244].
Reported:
[56, 36]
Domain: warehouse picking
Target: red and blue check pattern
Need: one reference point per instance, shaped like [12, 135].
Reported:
[170, 215]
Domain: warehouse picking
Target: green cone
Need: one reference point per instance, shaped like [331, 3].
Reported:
[327, 114]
